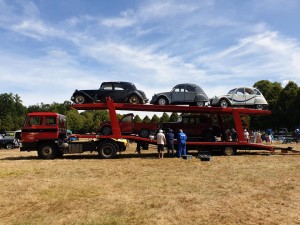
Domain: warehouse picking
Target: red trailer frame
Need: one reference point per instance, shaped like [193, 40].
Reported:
[228, 147]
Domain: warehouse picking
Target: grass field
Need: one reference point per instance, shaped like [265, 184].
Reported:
[249, 188]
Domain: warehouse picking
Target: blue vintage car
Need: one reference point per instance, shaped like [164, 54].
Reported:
[182, 94]
[121, 92]
[243, 97]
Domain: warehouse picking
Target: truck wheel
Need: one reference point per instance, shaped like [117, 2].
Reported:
[80, 99]
[9, 146]
[107, 150]
[47, 151]
[229, 151]
[144, 133]
[106, 130]
[134, 99]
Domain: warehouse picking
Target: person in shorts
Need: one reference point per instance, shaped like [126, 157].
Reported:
[161, 141]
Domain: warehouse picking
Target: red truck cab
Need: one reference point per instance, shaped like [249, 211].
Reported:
[42, 126]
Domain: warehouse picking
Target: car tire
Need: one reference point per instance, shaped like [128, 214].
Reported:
[80, 99]
[162, 101]
[200, 104]
[9, 146]
[134, 99]
[259, 106]
[223, 103]
[106, 130]
[144, 133]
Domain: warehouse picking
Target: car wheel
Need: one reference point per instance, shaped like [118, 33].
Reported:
[201, 104]
[9, 146]
[162, 101]
[223, 103]
[144, 133]
[80, 99]
[106, 130]
[259, 106]
[229, 151]
[134, 99]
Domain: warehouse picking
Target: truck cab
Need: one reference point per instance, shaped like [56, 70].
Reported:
[42, 126]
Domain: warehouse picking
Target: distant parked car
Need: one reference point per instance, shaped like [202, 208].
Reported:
[242, 96]
[182, 94]
[122, 92]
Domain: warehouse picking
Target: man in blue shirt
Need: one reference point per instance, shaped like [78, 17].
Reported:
[181, 139]
[170, 142]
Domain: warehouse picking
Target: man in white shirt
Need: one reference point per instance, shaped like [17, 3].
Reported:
[161, 141]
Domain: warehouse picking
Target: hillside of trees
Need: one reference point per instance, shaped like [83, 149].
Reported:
[284, 102]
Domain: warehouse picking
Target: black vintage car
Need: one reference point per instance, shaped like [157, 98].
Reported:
[121, 92]
[182, 94]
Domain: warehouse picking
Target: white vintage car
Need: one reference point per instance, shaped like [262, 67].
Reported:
[242, 97]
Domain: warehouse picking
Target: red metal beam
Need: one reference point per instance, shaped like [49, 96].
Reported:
[168, 108]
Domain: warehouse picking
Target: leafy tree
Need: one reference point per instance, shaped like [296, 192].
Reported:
[155, 119]
[74, 121]
[146, 119]
[137, 119]
[174, 117]
[165, 118]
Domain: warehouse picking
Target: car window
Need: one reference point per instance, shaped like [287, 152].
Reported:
[192, 120]
[106, 87]
[178, 90]
[231, 91]
[257, 92]
[185, 120]
[119, 87]
[240, 91]
[249, 91]
[190, 88]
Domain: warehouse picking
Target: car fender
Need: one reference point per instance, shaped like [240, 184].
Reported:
[92, 97]
[260, 101]
[164, 96]
[134, 93]
[201, 98]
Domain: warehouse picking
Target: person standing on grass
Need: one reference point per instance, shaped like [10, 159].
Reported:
[161, 141]
[170, 142]
[181, 139]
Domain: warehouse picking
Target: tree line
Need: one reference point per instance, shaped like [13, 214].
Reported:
[284, 102]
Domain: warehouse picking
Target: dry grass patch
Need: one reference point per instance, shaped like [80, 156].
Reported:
[244, 189]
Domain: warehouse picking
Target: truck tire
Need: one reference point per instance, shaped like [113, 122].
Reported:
[144, 133]
[47, 151]
[9, 146]
[107, 150]
[228, 151]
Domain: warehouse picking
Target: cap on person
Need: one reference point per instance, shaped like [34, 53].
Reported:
[160, 131]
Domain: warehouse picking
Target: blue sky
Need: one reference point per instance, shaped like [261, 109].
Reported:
[50, 48]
